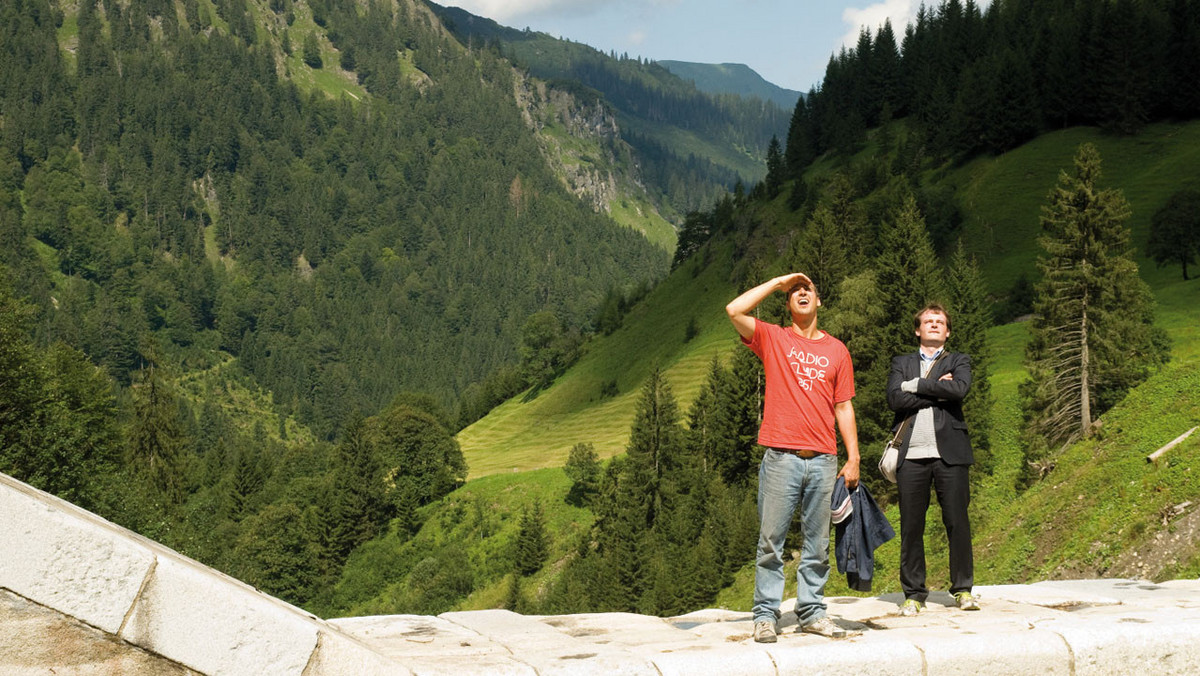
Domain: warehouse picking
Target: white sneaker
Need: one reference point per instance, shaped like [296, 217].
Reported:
[824, 627]
[764, 632]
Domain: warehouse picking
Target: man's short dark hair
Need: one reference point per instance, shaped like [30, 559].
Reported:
[931, 307]
[811, 284]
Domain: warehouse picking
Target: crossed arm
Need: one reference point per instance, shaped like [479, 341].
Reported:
[951, 386]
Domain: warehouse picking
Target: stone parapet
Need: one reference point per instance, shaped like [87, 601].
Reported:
[67, 560]
[79, 595]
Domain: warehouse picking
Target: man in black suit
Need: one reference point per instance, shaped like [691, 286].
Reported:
[935, 451]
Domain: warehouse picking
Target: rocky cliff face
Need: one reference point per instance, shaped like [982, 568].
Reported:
[581, 141]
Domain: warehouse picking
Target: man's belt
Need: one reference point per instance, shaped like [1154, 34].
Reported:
[798, 452]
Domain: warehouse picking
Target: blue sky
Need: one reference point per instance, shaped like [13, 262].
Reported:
[788, 42]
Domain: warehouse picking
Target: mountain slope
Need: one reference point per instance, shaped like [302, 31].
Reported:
[691, 146]
[527, 433]
[732, 78]
[311, 190]
[1000, 201]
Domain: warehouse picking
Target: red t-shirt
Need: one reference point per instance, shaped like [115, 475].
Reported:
[805, 378]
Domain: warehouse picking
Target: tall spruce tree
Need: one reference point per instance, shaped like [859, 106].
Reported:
[156, 441]
[874, 316]
[776, 170]
[1092, 335]
[532, 544]
[359, 507]
[971, 316]
[655, 443]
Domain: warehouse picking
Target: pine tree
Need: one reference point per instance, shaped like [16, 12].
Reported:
[775, 169]
[821, 253]
[583, 469]
[1092, 335]
[971, 315]
[1175, 231]
[655, 443]
[312, 51]
[878, 307]
[801, 139]
[908, 275]
[155, 438]
[359, 508]
[247, 481]
[733, 452]
[532, 544]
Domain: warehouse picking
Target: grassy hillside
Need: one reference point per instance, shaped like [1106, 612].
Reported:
[470, 531]
[538, 429]
[1001, 201]
[1002, 196]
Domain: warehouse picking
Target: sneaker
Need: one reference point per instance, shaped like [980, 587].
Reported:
[824, 627]
[764, 632]
[966, 601]
[911, 608]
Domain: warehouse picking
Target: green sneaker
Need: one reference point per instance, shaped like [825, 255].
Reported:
[911, 608]
[966, 601]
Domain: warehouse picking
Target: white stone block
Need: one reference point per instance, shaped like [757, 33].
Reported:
[1130, 592]
[408, 636]
[730, 660]
[477, 665]
[67, 559]
[216, 625]
[341, 655]
[872, 654]
[548, 650]
[1158, 641]
[995, 649]
[624, 629]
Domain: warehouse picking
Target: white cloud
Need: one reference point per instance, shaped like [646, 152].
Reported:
[636, 38]
[504, 11]
[899, 12]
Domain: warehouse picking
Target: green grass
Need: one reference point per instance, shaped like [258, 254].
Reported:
[245, 407]
[524, 433]
[68, 40]
[1002, 197]
[482, 519]
[330, 78]
[640, 215]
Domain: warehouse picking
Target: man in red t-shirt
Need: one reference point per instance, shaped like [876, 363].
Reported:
[810, 382]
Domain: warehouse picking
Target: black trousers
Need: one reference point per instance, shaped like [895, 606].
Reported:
[914, 479]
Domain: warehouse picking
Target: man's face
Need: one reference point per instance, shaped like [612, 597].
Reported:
[803, 300]
[932, 330]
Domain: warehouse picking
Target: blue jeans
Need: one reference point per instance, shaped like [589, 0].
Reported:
[786, 481]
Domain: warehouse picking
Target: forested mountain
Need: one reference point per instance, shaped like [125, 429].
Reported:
[732, 78]
[691, 146]
[231, 229]
[180, 189]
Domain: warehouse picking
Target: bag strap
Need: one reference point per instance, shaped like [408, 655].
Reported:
[900, 430]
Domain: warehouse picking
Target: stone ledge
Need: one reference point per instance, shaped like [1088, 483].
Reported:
[133, 589]
[130, 604]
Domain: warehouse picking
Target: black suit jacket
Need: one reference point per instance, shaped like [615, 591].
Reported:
[945, 397]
